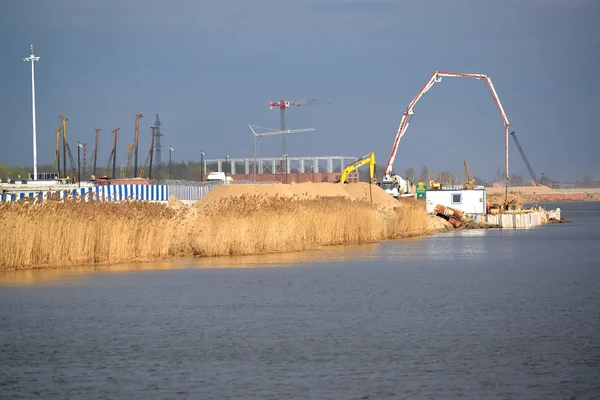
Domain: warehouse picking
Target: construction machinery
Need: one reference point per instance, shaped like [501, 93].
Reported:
[64, 144]
[533, 181]
[469, 183]
[436, 77]
[285, 104]
[136, 143]
[97, 130]
[57, 152]
[368, 159]
[435, 185]
[149, 156]
[128, 163]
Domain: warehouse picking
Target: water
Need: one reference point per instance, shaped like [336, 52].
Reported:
[472, 314]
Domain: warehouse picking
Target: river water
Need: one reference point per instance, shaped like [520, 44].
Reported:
[471, 314]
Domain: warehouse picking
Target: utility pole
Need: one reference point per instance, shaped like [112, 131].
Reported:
[114, 160]
[79, 146]
[97, 130]
[170, 152]
[136, 143]
[57, 152]
[201, 166]
[33, 59]
[151, 152]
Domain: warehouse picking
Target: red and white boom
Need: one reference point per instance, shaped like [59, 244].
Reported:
[435, 78]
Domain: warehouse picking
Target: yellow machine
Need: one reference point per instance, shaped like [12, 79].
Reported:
[435, 185]
[368, 159]
[469, 183]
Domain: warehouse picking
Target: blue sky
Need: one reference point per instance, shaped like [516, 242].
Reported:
[209, 69]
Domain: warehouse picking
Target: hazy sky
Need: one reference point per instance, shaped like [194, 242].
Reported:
[208, 68]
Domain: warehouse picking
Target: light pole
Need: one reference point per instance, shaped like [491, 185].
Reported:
[225, 166]
[79, 146]
[33, 59]
[170, 158]
[286, 167]
[201, 166]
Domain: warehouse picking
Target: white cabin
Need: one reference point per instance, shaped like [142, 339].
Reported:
[469, 201]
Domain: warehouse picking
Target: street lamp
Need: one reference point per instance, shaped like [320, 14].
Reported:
[170, 158]
[225, 166]
[286, 167]
[79, 146]
[33, 59]
[201, 166]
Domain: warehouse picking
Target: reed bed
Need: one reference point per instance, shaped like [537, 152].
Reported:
[63, 234]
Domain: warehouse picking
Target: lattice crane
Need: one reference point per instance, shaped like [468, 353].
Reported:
[529, 168]
[285, 104]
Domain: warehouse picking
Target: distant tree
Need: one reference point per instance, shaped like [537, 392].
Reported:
[515, 180]
[588, 179]
[410, 174]
[424, 176]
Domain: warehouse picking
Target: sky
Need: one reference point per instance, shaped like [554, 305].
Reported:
[209, 68]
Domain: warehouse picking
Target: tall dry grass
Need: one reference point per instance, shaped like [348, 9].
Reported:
[74, 233]
[253, 225]
[57, 234]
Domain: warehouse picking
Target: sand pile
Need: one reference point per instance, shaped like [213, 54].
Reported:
[222, 195]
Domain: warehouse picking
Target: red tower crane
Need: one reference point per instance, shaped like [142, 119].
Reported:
[284, 104]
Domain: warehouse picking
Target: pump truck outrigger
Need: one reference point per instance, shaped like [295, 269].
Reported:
[436, 77]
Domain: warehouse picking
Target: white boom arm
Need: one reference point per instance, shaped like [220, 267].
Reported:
[435, 78]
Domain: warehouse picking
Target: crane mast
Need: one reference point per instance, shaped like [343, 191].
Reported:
[114, 152]
[285, 104]
[136, 143]
[57, 152]
[97, 130]
[64, 146]
[436, 77]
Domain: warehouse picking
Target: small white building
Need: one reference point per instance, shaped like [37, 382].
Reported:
[469, 201]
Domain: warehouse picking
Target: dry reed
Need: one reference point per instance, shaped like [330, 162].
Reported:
[62, 234]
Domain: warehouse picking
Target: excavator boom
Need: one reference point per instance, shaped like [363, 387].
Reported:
[368, 159]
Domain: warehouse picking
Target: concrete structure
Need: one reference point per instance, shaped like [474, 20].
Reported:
[269, 164]
[468, 201]
[521, 220]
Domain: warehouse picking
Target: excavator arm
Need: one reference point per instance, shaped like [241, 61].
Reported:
[368, 159]
[436, 77]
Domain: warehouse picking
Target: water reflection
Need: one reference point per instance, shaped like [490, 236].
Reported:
[331, 254]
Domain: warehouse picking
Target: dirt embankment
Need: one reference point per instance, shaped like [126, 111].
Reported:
[230, 220]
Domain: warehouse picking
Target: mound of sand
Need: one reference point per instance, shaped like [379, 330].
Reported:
[301, 191]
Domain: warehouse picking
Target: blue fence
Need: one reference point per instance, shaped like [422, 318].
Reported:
[97, 193]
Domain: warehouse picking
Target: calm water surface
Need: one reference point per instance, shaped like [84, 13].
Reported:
[471, 314]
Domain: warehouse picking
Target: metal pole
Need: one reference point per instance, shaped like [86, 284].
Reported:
[201, 166]
[286, 168]
[254, 166]
[78, 164]
[33, 59]
[170, 152]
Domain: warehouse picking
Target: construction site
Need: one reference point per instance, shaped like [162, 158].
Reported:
[146, 175]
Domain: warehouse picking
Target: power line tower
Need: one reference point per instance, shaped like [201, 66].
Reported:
[283, 105]
[157, 147]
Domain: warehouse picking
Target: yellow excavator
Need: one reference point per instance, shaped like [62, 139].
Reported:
[469, 183]
[368, 159]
